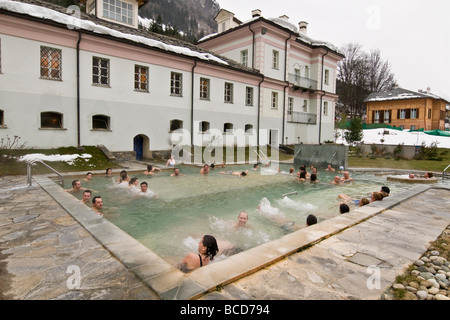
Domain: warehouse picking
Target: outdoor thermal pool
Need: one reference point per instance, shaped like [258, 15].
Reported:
[187, 207]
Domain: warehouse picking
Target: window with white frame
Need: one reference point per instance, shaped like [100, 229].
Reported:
[203, 126]
[227, 127]
[100, 71]
[325, 108]
[297, 75]
[51, 120]
[413, 113]
[249, 96]
[274, 100]
[50, 63]
[100, 122]
[204, 89]
[376, 116]
[306, 72]
[402, 113]
[118, 10]
[275, 59]
[176, 84]
[327, 77]
[244, 57]
[228, 92]
[140, 78]
[290, 105]
[387, 116]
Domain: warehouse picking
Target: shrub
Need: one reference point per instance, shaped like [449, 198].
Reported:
[9, 148]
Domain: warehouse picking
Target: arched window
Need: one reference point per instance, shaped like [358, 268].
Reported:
[51, 120]
[176, 124]
[204, 126]
[248, 128]
[100, 122]
[228, 127]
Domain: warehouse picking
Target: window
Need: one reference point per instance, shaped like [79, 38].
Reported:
[274, 100]
[413, 113]
[387, 116]
[306, 72]
[175, 125]
[100, 71]
[327, 77]
[376, 117]
[204, 89]
[402, 114]
[290, 105]
[413, 127]
[305, 106]
[228, 128]
[50, 63]
[100, 122]
[204, 126]
[140, 78]
[51, 120]
[176, 84]
[228, 94]
[429, 113]
[325, 108]
[297, 75]
[2, 118]
[248, 128]
[275, 59]
[244, 57]
[249, 96]
[118, 11]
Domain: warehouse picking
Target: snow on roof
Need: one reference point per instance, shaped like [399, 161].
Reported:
[290, 26]
[399, 94]
[74, 22]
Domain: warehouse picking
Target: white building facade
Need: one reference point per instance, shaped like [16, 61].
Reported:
[66, 81]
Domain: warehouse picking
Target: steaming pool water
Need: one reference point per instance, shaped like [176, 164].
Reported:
[189, 206]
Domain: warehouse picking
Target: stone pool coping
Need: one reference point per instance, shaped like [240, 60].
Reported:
[170, 283]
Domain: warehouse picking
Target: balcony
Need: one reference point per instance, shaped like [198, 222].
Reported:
[302, 117]
[302, 82]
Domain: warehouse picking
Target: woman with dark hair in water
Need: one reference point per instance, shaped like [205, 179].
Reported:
[207, 249]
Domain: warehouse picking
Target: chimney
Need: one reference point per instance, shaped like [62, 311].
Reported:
[284, 17]
[303, 27]
[428, 90]
[256, 13]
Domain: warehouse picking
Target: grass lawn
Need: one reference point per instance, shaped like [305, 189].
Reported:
[422, 165]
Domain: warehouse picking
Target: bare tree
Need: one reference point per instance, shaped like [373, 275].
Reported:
[358, 75]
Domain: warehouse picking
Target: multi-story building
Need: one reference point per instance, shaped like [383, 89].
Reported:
[69, 78]
[407, 109]
[299, 86]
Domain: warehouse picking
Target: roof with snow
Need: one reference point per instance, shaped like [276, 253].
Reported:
[288, 26]
[400, 94]
[54, 14]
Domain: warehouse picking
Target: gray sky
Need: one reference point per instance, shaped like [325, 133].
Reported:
[413, 35]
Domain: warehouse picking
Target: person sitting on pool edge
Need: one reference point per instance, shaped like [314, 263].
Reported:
[207, 250]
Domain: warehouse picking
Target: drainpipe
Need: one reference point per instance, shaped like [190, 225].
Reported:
[284, 89]
[322, 93]
[192, 104]
[78, 92]
[253, 45]
[259, 109]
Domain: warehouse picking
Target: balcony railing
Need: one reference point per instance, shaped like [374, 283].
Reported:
[302, 82]
[302, 117]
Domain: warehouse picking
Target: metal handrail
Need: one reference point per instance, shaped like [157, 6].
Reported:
[443, 172]
[29, 164]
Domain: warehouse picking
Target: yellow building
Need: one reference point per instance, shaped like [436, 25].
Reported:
[407, 109]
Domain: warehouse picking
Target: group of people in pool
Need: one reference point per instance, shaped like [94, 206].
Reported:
[208, 246]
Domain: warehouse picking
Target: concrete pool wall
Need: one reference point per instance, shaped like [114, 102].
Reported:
[168, 282]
